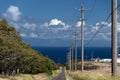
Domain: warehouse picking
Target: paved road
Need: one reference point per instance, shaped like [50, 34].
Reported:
[61, 76]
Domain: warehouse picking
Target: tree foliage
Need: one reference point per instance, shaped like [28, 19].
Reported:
[16, 55]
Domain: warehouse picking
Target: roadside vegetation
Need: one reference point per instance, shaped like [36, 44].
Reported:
[41, 76]
[89, 75]
[17, 57]
[102, 72]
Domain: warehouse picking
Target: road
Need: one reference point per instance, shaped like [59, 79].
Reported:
[61, 76]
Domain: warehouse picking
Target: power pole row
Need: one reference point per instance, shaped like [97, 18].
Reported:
[75, 51]
[113, 41]
[72, 55]
[69, 60]
[74, 45]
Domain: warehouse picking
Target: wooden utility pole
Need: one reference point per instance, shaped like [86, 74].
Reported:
[82, 38]
[70, 59]
[92, 56]
[72, 55]
[114, 37]
[75, 51]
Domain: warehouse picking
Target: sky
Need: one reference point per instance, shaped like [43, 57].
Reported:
[54, 22]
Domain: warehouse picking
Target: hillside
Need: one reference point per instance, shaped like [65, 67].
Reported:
[16, 56]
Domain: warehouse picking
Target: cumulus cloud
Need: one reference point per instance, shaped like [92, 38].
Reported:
[30, 26]
[97, 24]
[56, 25]
[33, 35]
[13, 13]
[104, 36]
[78, 24]
[104, 33]
[45, 24]
[55, 22]
[106, 24]
[23, 35]
[118, 27]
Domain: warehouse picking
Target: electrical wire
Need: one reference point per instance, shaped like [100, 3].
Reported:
[91, 10]
[101, 27]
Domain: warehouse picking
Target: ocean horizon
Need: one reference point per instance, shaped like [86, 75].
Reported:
[59, 54]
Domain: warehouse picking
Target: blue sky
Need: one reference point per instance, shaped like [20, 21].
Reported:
[53, 22]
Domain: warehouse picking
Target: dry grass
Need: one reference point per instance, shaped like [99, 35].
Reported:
[42, 76]
[102, 73]
[27, 77]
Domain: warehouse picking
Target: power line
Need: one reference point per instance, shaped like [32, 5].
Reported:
[94, 4]
[101, 27]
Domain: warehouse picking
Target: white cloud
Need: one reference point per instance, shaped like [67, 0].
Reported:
[23, 35]
[104, 36]
[66, 27]
[33, 35]
[104, 33]
[13, 13]
[118, 27]
[45, 24]
[29, 26]
[105, 23]
[56, 25]
[55, 22]
[94, 29]
[106, 26]
[78, 24]
[109, 24]
[97, 24]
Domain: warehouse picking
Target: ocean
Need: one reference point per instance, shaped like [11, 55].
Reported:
[59, 54]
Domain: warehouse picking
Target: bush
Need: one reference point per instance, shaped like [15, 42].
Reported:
[15, 54]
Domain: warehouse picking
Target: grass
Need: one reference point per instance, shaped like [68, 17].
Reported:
[42, 76]
[102, 73]
[90, 76]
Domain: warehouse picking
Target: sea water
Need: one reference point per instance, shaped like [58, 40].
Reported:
[59, 54]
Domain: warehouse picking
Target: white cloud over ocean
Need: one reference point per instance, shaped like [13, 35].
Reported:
[12, 13]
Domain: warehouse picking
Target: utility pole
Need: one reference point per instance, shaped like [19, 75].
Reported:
[82, 38]
[70, 59]
[92, 56]
[72, 55]
[114, 37]
[75, 51]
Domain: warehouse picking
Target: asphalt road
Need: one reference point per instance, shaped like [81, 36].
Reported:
[61, 76]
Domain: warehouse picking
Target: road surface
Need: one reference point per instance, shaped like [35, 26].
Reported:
[61, 76]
